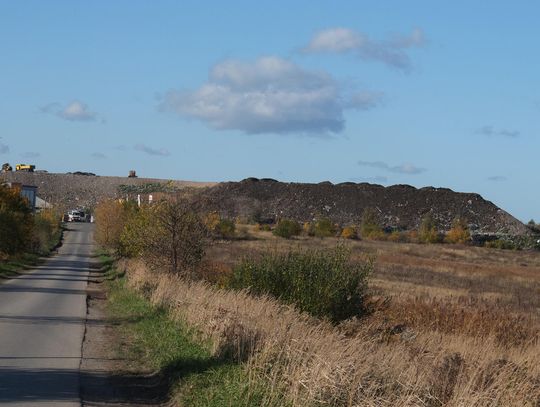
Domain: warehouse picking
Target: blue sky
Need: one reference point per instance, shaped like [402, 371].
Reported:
[417, 92]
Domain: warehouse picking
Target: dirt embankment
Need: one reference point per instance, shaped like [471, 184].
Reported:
[398, 206]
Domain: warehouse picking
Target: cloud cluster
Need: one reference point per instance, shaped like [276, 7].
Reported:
[98, 156]
[152, 151]
[392, 52]
[4, 148]
[405, 168]
[74, 111]
[269, 95]
[491, 131]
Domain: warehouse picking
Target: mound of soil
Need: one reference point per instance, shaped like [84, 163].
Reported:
[266, 200]
[399, 207]
[84, 190]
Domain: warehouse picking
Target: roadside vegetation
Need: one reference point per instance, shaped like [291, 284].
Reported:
[24, 236]
[184, 363]
[312, 322]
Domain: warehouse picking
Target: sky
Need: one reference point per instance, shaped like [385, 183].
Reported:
[424, 93]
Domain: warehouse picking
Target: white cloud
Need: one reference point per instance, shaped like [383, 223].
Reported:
[270, 95]
[490, 131]
[4, 148]
[391, 52]
[406, 168]
[336, 40]
[152, 151]
[74, 111]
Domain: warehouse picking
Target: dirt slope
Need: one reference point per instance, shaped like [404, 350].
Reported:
[70, 190]
[399, 206]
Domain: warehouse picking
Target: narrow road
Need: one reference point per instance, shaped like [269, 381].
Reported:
[42, 322]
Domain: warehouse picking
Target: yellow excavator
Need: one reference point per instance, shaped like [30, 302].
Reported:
[25, 167]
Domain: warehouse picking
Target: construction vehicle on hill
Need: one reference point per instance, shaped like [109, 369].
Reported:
[6, 167]
[25, 167]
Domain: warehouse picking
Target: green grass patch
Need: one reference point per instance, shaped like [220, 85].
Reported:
[158, 343]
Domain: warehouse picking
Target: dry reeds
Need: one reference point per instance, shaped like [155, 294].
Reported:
[315, 363]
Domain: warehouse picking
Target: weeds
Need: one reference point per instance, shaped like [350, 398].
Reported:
[191, 373]
[324, 283]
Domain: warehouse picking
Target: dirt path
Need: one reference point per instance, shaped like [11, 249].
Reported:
[107, 377]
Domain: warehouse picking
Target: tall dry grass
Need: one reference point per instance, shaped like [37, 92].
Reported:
[366, 363]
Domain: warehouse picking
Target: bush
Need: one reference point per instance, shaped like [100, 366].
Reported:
[428, 230]
[111, 217]
[168, 235]
[264, 227]
[459, 233]
[349, 232]
[16, 222]
[308, 229]
[47, 231]
[287, 228]
[211, 221]
[370, 227]
[219, 228]
[324, 228]
[226, 229]
[324, 283]
[398, 237]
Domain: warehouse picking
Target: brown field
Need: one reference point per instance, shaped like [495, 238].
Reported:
[450, 326]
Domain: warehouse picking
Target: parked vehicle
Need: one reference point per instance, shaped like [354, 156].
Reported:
[25, 167]
[76, 215]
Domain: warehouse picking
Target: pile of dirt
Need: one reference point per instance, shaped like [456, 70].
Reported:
[400, 207]
[78, 190]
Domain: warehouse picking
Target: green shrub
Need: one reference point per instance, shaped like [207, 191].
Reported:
[167, 235]
[16, 222]
[428, 230]
[324, 283]
[324, 228]
[226, 229]
[370, 227]
[46, 232]
[287, 228]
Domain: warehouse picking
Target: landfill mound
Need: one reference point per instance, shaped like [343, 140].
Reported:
[78, 190]
[399, 207]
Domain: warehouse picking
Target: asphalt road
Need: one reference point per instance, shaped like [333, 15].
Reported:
[42, 322]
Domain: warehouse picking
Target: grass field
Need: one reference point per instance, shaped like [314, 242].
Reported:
[448, 326]
[469, 306]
